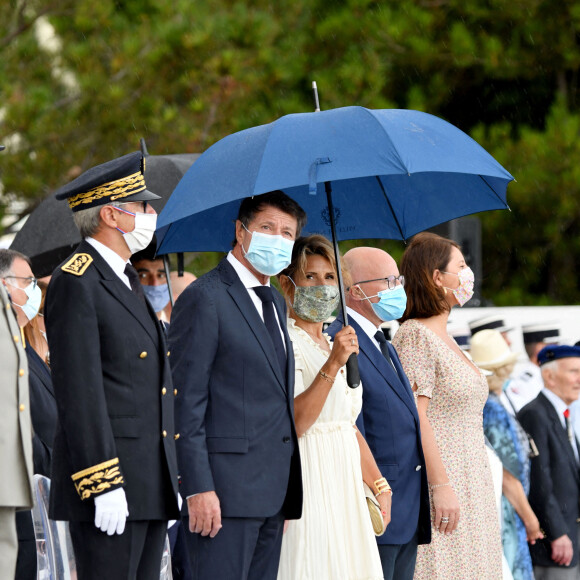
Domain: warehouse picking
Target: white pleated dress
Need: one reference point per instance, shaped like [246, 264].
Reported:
[334, 539]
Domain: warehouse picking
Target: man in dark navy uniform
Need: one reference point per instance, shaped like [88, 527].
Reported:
[114, 474]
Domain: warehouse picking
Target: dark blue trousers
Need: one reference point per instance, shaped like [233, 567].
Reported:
[398, 560]
[244, 549]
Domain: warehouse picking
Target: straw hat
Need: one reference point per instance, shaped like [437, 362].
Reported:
[489, 350]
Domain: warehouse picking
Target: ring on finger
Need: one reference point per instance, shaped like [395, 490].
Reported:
[352, 342]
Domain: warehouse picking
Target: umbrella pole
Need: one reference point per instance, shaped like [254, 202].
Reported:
[168, 278]
[352, 372]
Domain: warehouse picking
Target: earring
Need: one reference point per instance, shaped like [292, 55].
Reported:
[444, 290]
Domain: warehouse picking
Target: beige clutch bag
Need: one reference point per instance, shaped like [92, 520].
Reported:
[374, 511]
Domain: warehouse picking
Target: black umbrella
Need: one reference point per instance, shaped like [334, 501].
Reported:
[50, 235]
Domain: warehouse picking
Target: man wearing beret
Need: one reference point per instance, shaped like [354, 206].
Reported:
[114, 474]
[526, 379]
[555, 477]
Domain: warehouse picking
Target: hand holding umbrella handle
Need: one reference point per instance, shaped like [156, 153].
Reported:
[352, 374]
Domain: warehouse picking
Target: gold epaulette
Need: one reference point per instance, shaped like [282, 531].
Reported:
[99, 478]
[78, 264]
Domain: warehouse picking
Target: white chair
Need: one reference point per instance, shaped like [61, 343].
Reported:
[54, 550]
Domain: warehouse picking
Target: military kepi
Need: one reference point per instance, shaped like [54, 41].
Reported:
[121, 180]
[550, 353]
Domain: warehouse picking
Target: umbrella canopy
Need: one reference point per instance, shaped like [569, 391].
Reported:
[393, 174]
[49, 235]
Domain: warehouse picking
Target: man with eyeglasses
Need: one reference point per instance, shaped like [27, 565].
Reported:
[114, 462]
[16, 440]
[389, 420]
[26, 296]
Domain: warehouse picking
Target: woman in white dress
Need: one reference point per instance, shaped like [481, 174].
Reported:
[334, 539]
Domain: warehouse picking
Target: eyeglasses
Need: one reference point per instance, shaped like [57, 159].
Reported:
[391, 281]
[137, 202]
[31, 280]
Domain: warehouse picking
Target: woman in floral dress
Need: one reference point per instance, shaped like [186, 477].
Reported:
[450, 392]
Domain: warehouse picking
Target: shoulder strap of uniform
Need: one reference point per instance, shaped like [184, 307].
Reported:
[78, 264]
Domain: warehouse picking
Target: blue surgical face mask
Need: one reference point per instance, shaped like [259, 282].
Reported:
[157, 295]
[391, 304]
[268, 254]
[32, 304]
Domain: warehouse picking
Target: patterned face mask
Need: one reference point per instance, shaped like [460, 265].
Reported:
[464, 291]
[314, 303]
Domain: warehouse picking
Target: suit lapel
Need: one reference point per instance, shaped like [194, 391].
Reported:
[560, 433]
[115, 286]
[241, 297]
[401, 373]
[41, 370]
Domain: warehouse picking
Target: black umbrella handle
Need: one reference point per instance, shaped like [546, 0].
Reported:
[352, 373]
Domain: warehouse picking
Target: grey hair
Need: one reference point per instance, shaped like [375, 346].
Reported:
[550, 366]
[88, 221]
[7, 258]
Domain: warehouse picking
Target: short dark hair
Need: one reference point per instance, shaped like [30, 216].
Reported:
[250, 206]
[426, 253]
[7, 258]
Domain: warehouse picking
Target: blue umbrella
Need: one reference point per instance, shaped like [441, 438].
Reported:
[393, 172]
[358, 173]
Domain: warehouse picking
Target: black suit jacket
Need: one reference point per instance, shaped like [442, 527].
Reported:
[554, 479]
[114, 394]
[235, 407]
[390, 424]
[43, 412]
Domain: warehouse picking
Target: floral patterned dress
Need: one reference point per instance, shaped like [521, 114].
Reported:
[458, 394]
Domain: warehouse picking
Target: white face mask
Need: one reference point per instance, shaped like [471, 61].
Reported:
[32, 304]
[142, 234]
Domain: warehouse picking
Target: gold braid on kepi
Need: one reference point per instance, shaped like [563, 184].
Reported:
[94, 480]
[114, 190]
[122, 179]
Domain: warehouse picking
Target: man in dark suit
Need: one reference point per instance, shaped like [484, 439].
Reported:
[389, 420]
[114, 472]
[233, 364]
[555, 478]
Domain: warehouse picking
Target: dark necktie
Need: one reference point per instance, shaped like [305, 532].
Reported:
[380, 338]
[265, 295]
[133, 276]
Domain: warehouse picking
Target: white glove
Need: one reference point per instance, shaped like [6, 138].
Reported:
[111, 511]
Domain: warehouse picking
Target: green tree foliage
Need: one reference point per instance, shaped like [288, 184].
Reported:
[183, 74]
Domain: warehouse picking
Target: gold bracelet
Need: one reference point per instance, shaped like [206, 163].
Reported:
[382, 486]
[326, 377]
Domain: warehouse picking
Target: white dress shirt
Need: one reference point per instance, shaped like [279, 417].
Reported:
[116, 263]
[249, 281]
[368, 327]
